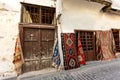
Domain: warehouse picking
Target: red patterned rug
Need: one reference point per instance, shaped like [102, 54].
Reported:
[81, 56]
[69, 51]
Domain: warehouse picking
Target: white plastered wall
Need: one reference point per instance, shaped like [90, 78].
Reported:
[9, 22]
[83, 15]
[41, 2]
[9, 19]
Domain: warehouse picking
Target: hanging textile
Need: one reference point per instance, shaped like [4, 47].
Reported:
[69, 51]
[56, 56]
[98, 46]
[112, 42]
[18, 56]
[106, 44]
[81, 56]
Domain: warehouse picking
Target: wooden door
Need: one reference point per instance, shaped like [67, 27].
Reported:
[88, 44]
[37, 48]
[116, 35]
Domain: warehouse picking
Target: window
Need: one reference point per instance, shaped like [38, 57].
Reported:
[87, 40]
[88, 43]
[37, 14]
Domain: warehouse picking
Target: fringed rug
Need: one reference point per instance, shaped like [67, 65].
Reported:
[18, 56]
[81, 56]
[56, 56]
[69, 51]
[105, 40]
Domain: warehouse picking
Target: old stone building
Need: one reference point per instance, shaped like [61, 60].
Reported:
[40, 22]
[11, 18]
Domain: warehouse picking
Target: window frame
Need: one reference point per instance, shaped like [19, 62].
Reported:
[49, 10]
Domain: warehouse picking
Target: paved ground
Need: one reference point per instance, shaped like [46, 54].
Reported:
[36, 73]
[30, 74]
[94, 70]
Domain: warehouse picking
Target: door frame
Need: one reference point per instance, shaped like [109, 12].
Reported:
[36, 26]
[94, 45]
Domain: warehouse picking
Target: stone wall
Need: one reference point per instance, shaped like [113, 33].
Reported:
[9, 22]
[9, 19]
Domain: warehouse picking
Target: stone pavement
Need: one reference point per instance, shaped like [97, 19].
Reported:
[29, 74]
[93, 70]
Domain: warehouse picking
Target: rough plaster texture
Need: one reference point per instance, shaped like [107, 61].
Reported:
[9, 21]
[81, 14]
[41, 2]
[8, 32]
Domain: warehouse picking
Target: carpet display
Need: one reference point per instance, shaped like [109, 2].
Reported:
[69, 51]
[98, 46]
[56, 56]
[105, 42]
[18, 56]
[81, 56]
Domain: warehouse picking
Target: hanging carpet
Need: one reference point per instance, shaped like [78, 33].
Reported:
[69, 51]
[106, 43]
[81, 56]
[56, 56]
[18, 56]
